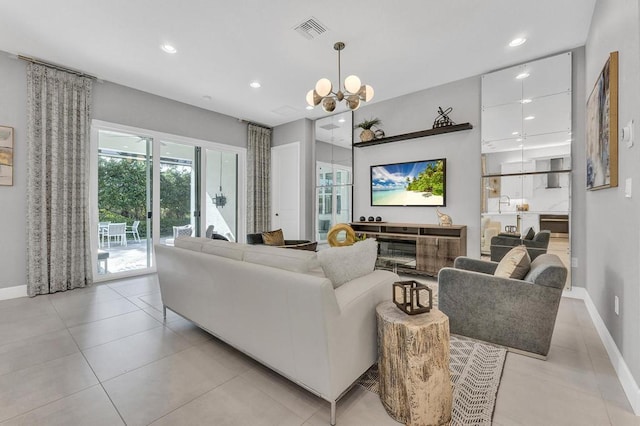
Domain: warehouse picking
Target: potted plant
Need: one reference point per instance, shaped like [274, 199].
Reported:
[366, 125]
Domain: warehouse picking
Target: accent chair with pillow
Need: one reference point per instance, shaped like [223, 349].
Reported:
[483, 303]
[536, 245]
[276, 239]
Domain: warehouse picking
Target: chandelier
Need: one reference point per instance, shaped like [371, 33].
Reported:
[354, 90]
[220, 200]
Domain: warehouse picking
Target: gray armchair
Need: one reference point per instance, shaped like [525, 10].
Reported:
[501, 244]
[518, 314]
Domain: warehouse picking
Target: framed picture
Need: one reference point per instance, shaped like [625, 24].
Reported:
[602, 128]
[6, 155]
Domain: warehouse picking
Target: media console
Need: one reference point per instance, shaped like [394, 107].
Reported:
[415, 248]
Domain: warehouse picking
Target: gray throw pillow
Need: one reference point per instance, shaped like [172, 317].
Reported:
[343, 264]
[530, 234]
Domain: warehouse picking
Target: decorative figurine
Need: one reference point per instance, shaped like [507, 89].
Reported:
[443, 219]
[443, 120]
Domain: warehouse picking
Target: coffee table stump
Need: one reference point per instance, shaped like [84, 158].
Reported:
[413, 362]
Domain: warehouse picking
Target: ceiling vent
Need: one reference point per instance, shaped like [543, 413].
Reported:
[311, 28]
[329, 126]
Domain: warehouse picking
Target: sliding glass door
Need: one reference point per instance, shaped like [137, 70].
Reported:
[124, 185]
[153, 187]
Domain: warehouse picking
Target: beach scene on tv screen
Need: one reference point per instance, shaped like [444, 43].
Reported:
[419, 183]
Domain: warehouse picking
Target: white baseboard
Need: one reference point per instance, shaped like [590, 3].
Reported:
[629, 384]
[13, 292]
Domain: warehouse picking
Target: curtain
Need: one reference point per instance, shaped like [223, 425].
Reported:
[58, 227]
[258, 179]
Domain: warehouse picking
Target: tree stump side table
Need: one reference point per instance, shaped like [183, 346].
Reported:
[413, 361]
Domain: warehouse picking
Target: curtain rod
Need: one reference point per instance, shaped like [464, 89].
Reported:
[58, 67]
[264, 126]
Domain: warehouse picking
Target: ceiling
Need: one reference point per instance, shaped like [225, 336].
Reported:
[397, 48]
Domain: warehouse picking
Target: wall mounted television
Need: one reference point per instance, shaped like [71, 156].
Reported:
[415, 183]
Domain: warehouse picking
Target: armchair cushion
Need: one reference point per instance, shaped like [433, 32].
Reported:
[514, 264]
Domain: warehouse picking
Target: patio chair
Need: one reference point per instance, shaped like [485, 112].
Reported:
[182, 231]
[102, 231]
[133, 230]
[117, 231]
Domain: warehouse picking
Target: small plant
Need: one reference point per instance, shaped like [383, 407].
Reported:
[368, 124]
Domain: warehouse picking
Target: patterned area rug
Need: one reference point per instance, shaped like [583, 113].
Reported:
[476, 369]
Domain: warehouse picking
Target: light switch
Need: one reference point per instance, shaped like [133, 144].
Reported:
[626, 134]
[627, 188]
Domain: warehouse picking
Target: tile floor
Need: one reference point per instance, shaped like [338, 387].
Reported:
[102, 356]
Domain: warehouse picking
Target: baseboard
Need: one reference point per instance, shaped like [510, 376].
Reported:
[13, 292]
[629, 384]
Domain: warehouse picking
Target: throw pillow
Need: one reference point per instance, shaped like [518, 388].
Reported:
[343, 264]
[515, 264]
[530, 234]
[273, 238]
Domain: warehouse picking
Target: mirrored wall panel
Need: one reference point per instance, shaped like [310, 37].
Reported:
[334, 176]
[526, 153]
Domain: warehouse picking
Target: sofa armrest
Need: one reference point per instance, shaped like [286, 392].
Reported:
[477, 265]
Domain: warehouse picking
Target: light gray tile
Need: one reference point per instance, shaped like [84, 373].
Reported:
[36, 350]
[149, 392]
[531, 400]
[358, 407]
[20, 329]
[621, 416]
[228, 356]
[566, 312]
[153, 300]
[568, 336]
[189, 331]
[88, 407]
[96, 311]
[594, 344]
[110, 329]
[81, 297]
[18, 309]
[30, 388]
[136, 286]
[303, 403]
[563, 367]
[120, 356]
[609, 384]
[233, 403]
[158, 315]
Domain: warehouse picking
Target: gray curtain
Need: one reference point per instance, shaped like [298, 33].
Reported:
[58, 125]
[258, 179]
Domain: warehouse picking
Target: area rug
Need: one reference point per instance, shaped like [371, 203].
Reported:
[476, 369]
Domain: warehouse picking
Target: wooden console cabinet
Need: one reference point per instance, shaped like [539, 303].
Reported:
[419, 248]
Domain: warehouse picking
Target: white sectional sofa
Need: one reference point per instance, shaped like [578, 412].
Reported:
[277, 306]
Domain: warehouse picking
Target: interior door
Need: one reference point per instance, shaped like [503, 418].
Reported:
[285, 189]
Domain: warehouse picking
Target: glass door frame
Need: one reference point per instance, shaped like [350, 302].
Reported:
[157, 137]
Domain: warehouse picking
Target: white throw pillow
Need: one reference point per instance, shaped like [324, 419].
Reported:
[343, 264]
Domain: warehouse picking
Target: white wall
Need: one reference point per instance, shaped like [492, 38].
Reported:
[612, 225]
[112, 103]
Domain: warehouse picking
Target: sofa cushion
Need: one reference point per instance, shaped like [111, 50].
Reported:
[343, 264]
[224, 249]
[190, 243]
[273, 238]
[301, 261]
[530, 234]
[515, 264]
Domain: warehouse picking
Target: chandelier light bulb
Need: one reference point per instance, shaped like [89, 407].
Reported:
[366, 92]
[353, 102]
[352, 83]
[313, 98]
[324, 87]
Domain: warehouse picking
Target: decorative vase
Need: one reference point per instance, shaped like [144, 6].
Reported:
[367, 135]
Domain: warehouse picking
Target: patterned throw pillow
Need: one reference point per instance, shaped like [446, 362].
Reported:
[273, 238]
[515, 264]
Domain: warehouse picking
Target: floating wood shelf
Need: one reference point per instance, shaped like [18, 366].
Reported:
[414, 135]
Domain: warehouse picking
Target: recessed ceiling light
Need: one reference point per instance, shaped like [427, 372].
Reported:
[342, 120]
[520, 145]
[522, 75]
[529, 117]
[517, 42]
[125, 146]
[255, 84]
[206, 97]
[526, 101]
[519, 140]
[168, 48]
[309, 107]
[515, 133]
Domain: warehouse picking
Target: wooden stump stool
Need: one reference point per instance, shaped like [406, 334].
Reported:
[413, 360]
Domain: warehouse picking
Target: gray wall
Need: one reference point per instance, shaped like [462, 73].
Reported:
[111, 102]
[416, 112]
[612, 225]
[301, 131]
[13, 200]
